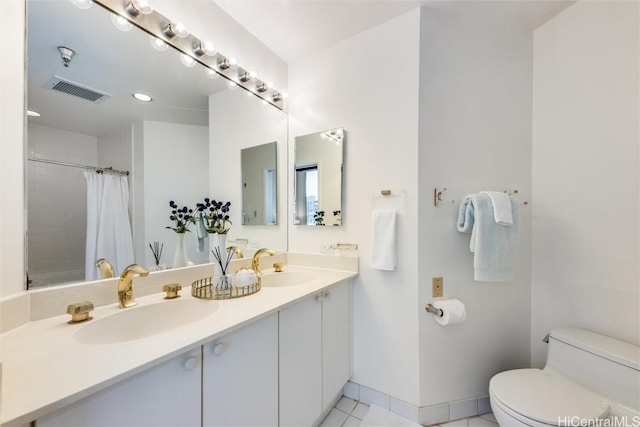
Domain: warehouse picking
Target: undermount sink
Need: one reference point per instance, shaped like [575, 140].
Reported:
[285, 278]
[144, 321]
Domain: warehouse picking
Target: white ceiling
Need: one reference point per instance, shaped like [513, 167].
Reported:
[291, 28]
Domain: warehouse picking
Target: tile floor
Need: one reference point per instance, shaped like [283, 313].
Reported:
[349, 412]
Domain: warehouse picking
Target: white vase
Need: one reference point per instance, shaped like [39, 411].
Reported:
[180, 256]
[219, 243]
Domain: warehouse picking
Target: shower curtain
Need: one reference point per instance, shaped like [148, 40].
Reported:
[108, 225]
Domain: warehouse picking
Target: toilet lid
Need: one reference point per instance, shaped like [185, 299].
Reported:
[547, 398]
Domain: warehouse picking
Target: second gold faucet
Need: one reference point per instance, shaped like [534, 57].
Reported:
[125, 285]
[255, 262]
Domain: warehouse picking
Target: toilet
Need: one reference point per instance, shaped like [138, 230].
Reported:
[588, 380]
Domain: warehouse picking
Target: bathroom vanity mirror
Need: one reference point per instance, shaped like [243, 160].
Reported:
[170, 146]
[318, 178]
[259, 184]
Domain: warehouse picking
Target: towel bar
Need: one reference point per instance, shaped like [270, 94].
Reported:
[431, 309]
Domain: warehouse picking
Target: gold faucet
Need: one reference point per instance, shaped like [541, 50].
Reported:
[255, 263]
[125, 285]
[238, 252]
[105, 267]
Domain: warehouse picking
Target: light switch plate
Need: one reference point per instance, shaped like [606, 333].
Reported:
[437, 287]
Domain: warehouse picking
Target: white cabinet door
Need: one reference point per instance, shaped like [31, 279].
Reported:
[300, 362]
[315, 354]
[240, 376]
[336, 341]
[165, 395]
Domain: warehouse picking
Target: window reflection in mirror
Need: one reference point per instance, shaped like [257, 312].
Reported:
[318, 178]
[259, 185]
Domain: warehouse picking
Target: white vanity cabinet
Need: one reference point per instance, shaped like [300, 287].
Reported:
[164, 395]
[315, 354]
[240, 376]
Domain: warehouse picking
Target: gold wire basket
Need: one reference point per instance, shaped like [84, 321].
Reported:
[219, 288]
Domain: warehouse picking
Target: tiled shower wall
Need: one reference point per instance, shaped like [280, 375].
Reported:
[57, 204]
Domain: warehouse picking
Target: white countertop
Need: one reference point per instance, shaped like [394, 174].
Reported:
[44, 368]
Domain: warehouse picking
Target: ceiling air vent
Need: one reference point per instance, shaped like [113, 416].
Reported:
[72, 88]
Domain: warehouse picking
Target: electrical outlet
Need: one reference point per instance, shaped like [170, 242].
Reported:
[254, 244]
[437, 287]
[326, 248]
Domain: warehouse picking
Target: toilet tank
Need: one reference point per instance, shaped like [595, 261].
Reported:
[608, 367]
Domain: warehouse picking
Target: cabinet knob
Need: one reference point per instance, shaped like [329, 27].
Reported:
[191, 363]
[319, 297]
[219, 348]
[327, 294]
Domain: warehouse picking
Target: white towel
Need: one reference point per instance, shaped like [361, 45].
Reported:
[383, 253]
[501, 207]
[201, 231]
[495, 247]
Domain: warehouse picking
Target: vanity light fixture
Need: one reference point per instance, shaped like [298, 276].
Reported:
[244, 77]
[136, 7]
[224, 64]
[173, 29]
[205, 48]
[33, 113]
[158, 44]
[186, 60]
[142, 97]
[121, 23]
[233, 62]
[166, 32]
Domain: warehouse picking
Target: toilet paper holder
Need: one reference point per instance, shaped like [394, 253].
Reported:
[431, 309]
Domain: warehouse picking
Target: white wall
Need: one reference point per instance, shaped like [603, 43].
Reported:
[475, 135]
[586, 173]
[351, 85]
[115, 149]
[172, 151]
[230, 132]
[12, 224]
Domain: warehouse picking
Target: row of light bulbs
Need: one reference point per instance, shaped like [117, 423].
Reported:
[136, 8]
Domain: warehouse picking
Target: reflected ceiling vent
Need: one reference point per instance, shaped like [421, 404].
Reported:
[72, 88]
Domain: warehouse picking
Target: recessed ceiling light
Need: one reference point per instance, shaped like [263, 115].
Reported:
[33, 113]
[142, 97]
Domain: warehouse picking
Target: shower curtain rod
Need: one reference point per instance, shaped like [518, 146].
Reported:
[73, 165]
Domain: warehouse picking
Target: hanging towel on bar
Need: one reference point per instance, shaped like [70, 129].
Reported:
[201, 231]
[383, 253]
[494, 246]
[501, 207]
